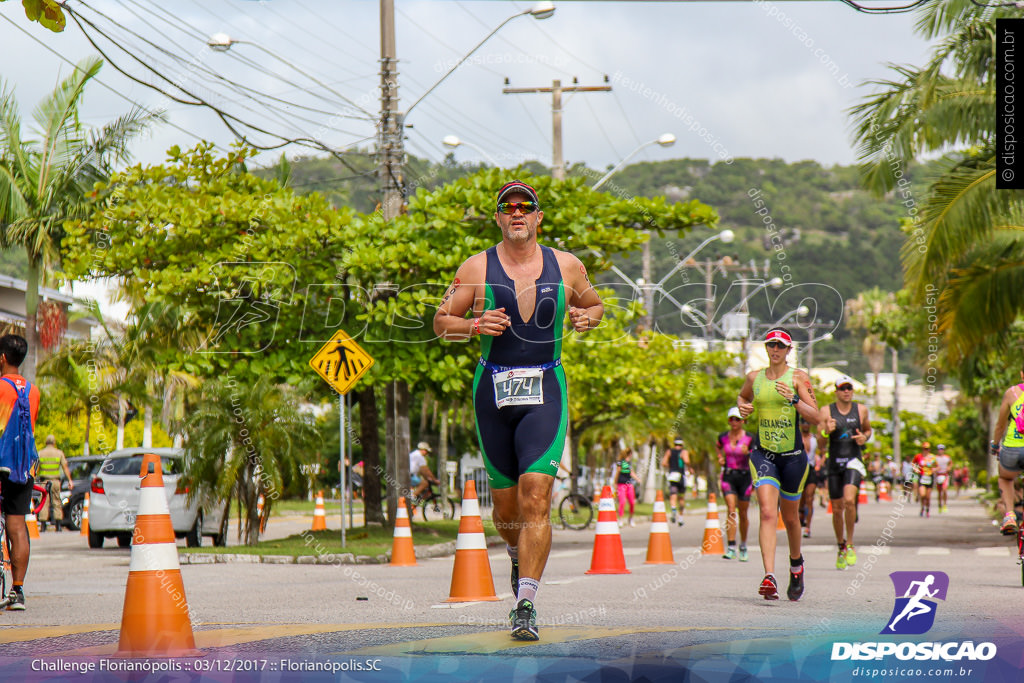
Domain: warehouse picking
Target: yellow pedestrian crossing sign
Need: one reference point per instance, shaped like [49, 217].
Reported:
[341, 362]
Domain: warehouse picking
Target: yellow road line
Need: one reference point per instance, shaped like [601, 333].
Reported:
[488, 642]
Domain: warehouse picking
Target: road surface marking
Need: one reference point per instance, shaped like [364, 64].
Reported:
[933, 551]
[1000, 551]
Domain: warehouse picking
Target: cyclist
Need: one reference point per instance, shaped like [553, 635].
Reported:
[1008, 443]
[847, 426]
[924, 469]
[943, 465]
[622, 473]
[420, 475]
[16, 480]
[677, 460]
[517, 294]
[778, 463]
[734, 458]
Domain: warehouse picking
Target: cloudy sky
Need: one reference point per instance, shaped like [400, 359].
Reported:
[726, 78]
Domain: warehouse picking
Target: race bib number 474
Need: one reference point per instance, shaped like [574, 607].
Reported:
[519, 387]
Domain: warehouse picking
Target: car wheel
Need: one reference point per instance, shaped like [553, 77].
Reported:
[124, 540]
[194, 538]
[74, 515]
[95, 540]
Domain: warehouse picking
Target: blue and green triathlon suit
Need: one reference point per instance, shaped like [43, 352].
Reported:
[522, 369]
[777, 458]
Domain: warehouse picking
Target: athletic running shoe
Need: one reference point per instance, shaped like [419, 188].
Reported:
[796, 585]
[769, 588]
[928, 513]
[16, 598]
[841, 558]
[515, 578]
[672, 519]
[632, 523]
[681, 522]
[807, 532]
[744, 556]
[851, 556]
[1009, 523]
[730, 554]
[524, 621]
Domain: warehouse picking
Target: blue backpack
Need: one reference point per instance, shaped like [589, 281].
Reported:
[18, 453]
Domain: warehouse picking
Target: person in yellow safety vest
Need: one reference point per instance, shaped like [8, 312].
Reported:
[51, 462]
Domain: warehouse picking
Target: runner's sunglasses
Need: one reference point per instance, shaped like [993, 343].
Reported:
[509, 208]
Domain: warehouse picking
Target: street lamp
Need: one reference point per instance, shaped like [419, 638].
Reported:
[665, 140]
[542, 10]
[800, 311]
[453, 142]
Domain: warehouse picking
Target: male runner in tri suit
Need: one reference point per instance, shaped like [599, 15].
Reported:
[778, 464]
[847, 426]
[677, 460]
[924, 469]
[734, 458]
[517, 294]
[943, 467]
[814, 462]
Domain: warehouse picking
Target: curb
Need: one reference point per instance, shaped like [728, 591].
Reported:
[431, 551]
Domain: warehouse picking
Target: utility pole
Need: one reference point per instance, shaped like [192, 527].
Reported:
[556, 90]
[391, 147]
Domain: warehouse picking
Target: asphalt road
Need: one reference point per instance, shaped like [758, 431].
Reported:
[701, 607]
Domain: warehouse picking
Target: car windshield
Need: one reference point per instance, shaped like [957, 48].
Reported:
[133, 465]
[81, 470]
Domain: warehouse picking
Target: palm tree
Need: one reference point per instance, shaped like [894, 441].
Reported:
[91, 384]
[47, 181]
[861, 314]
[965, 244]
[244, 442]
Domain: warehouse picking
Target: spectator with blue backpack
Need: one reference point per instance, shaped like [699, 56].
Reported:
[1008, 444]
[19, 405]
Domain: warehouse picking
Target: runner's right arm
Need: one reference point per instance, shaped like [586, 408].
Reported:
[1004, 417]
[465, 294]
[745, 400]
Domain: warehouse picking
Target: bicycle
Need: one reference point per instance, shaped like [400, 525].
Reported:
[6, 577]
[432, 507]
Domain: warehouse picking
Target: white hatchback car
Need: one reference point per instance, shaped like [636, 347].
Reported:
[114, 500]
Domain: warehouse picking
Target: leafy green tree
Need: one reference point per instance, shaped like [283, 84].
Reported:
[45, 181]
[48, 13]
[248, 441]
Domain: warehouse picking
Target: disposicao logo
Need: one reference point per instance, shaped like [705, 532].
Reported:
[916, 592]
[914, 614]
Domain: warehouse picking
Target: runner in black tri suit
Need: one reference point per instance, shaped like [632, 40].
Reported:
[677, 460]
[517, 294]
[846, 425]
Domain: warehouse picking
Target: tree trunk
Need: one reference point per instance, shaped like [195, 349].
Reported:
[369, 438]
[390, 468]
[28, 366]
[121, 410]
[402, 436]
[88, 420]
[442, 457]
[147, 427]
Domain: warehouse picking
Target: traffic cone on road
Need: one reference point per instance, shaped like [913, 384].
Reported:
[471, 575]
[85, 515]
[319, 515]
[155, 621]
[402, 552]
[608, 557]
[829, 511]
[780, 525]
[863, 495]
[712, 543]
[883, 492]
[259, 513]
[33, 525]
[659, 546]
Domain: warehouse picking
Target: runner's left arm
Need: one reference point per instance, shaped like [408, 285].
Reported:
[807, 406]
[865, 425]
[585, 306]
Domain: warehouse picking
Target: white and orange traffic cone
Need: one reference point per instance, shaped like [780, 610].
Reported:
[608, 557]
[403, 554]
[883, 491]
[259, 513]
[85, 515]
[319, 515]
[780, 525]
[659, 546]
[33, 525]
[471, 576]
[862, 497]
[155, 621]
[712, 543]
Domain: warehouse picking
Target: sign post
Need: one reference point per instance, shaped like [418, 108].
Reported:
[341, 362]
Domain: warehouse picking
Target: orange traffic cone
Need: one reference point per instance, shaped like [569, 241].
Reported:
[883, 491]
[259, 513]
[781, 526]
[33, 525]
[863, 495]
[608, 557]
[829, 511]
[471, 575]
[402, 552]
[85, 515]
[659, 546]
[319, 516]
[712, 544]
[155, 621]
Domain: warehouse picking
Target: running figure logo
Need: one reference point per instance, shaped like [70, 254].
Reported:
[914, 611]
